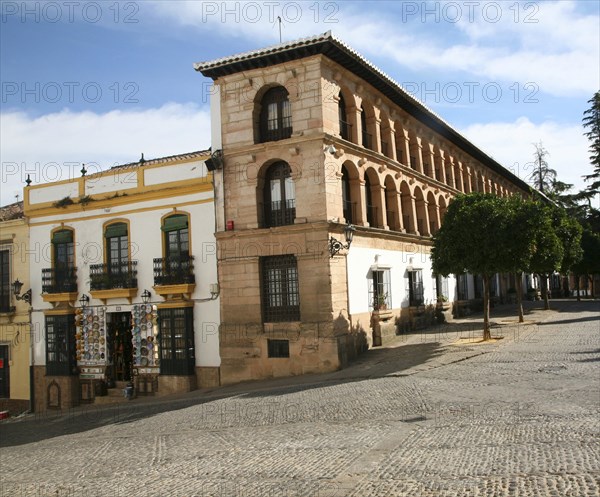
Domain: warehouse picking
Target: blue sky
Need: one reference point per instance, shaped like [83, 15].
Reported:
[101, 82]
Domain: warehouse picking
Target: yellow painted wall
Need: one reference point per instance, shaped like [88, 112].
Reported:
[14, 326]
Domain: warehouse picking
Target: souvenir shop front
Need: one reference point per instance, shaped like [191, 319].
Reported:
[116, 346]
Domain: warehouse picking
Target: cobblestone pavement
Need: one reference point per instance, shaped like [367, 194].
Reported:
[514, 418]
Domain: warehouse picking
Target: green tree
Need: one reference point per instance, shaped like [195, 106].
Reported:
[548, 249]
[591, 121]
[473, 239]
[589, 264]
[520, 241]
[542, 176]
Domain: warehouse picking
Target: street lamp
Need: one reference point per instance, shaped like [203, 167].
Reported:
[84, 300]
[335, 245]
[16, 287]
[146, 296]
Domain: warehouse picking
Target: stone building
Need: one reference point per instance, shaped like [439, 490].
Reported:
[311, 136]
[124, 282]
[15, 343]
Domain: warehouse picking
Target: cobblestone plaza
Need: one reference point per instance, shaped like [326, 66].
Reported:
[518, 417]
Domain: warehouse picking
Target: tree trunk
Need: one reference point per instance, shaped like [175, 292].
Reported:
[577, 286]
[592, 286]
[486, 308]
[519, 289]
[545, 291]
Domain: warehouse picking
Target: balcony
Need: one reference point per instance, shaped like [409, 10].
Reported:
[349, 211]
[280, 213]
[59, 284]
[384, 148]
[174, 275]
[113, 280]
[372, 215]
[367, 140]
[346, 130]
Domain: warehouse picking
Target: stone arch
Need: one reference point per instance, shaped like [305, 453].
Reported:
[406, 202]
[421, 211]
[283, 121]
[433, 213]
[373, 198]
[351, 198]
[392, 203]
[261, 187]
[346, 114]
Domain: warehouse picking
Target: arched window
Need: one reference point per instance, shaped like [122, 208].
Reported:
[371, 215]
[366, 137]
[347, 197]
[344, 125]
[275, 115]
[279, 196]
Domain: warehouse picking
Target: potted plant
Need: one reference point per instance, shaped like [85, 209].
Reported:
[381, 302]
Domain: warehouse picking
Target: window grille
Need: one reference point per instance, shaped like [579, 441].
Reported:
[280, 295]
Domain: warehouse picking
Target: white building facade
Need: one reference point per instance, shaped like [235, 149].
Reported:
[124, 281]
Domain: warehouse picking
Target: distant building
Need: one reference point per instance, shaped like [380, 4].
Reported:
[124, 281]
[313, 137]
[15, 344]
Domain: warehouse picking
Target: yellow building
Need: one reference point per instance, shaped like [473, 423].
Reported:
[14, 310]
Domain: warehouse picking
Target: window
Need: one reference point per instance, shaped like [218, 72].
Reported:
[369, 200]
[62, 277]
[380, 293]
[278, 348]
[177, 265]
[5, 281]
[117, 245]
[60, 345]
[441, 288]
[415, 287]
[346, 197]
[279, 196]
[366, 137]
[280, 295]
[176, 341]
[344, 125]
[275, 115]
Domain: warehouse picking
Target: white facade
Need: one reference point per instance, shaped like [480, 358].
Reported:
[141, 197]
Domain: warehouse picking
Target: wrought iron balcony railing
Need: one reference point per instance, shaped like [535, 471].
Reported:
[345, 130]
[174, 270]
[280, 213]
[113, 275]
[59, 280]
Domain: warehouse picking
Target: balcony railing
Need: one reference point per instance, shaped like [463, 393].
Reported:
[113, 275]
[280, 213]
[384, 148]
[345, 130]
[371, 215]
[349, 211]
[391, 220]
[413, 162]
[276, 130]
[59, 280]
[367, 140]
[174, 270]
[406, 221]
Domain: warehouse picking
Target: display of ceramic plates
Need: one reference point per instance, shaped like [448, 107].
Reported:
[138, 339]
[96, 326]
[90, 318]
[102, 340]
[87, 356]
[101, 355]
[144, 361]
[144, 351]
[148, 317]
[144, 342]
[149, 346]
[150, 338]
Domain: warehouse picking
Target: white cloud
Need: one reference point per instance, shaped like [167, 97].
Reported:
[511, 144]
[53, 146]
[549, 43]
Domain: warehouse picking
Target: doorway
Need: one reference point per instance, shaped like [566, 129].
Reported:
[4, 372]
[118, 329]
